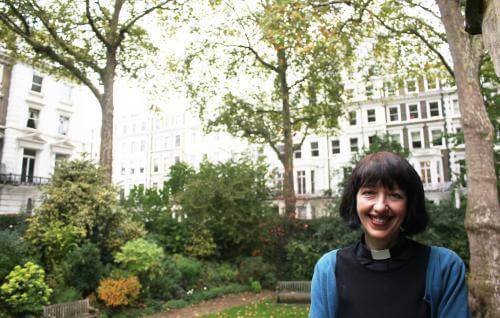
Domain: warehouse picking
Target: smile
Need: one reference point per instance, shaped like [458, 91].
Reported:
[380, 220]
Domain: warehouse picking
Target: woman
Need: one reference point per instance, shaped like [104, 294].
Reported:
[387, 274]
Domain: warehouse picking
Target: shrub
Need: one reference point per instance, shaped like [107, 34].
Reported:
[218, 274]
[140, 256]
[190, 270]
[164, 285]
[255, 269]
[25, 290]
[84, 268]
[13, 251]
[301, 257]
[201, 243]
[119, 292]
[16, 222]
[64, 295]
[255, 286]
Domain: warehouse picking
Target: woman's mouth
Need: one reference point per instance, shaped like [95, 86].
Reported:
[380, 220]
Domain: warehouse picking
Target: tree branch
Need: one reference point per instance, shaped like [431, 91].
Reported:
[127, 25]
[92, 23]
[255, 53]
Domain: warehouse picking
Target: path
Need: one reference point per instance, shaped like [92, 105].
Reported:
[214, 305]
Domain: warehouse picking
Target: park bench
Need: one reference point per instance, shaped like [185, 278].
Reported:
[79, 308]
[293, 292]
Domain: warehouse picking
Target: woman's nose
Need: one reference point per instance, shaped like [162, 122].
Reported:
[380, 203]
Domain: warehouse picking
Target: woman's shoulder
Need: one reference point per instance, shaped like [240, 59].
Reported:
[442, 260]
[444, 254]
[327, 260]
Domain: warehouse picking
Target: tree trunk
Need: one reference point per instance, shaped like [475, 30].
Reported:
[107, 107]
[483, 213]
[287, 157]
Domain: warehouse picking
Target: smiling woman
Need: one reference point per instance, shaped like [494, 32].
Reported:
[386, 274]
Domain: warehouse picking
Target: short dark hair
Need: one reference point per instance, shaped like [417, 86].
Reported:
[389, 170]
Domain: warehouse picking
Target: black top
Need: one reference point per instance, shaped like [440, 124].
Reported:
[393, 287]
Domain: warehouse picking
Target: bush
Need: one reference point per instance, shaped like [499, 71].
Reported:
[190, 270]
[218, 274]
[119, 292]
[64, 295]
[25, 290]
[165, 284]
[140, 256]
[84, 268]
[255, 286]
[13, 251]
[16, 222]
[255, 269]
[301, 257]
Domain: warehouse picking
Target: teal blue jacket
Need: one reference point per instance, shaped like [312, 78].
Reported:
[445, 289]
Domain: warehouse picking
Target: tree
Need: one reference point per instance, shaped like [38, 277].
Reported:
[284, 62]
[87, 41]
[230, 201]
[403, 25]
[79, 205]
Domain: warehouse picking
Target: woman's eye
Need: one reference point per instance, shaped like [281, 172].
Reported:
[396, 196]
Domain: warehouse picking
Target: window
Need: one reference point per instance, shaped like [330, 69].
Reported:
[155, 185]
[155, 165]
[389, 89]
[141, 170]
[395, 137]
[28, 166]
[411, 86]
[431, 82]
[60, 158]
[132, 170]
[177, 140]
[314, 149]
[33, 115]
[349, 93]
[438, 171]
[434, 109]
[352, 118]
[369, 90]
[437, 137]
[301, 182]
[122, 170]
[394, 113]
[298, 153]
[416, 140]
[456, 108]
[425, 171]
[63, 125]
[354, 144]
[279, 180]
[371, 115]
[143, 145]
[177, 159]
[462, 172]
[371, 139]
[413, 110]
[132, 147]
[66, 93]
[335, 146]
[312, 182]
[36, 83]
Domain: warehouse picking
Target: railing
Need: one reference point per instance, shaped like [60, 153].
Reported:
[17, 179]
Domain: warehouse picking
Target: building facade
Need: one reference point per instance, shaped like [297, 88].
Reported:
[42, 121]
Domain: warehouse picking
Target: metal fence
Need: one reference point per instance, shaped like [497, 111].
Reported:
[17, 179]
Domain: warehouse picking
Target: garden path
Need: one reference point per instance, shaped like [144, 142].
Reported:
[215, 305]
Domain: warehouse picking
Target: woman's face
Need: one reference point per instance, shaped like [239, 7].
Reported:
[381, 212]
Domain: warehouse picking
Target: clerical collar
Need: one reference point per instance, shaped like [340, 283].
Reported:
[381, 254]
[389, 259]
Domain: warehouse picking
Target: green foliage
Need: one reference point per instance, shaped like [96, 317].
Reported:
[190, 269]
[140, 256]
[255, 287]
[78, 205]
[24, 290]
[152, 208]
[229, 200]
[177, 177]
[200, 243]
[14, 250]
[84, 269]
[64, 295]
[15, 222]
[216, 274]
[446, 228]
[301, 257]
[256, 269]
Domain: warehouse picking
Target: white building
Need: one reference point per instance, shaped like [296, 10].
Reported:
[42, 121]
[420, 115]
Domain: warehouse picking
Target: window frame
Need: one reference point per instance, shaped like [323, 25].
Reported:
[398, 113]
[35, 84]
[335, 147]
[34, 120]
[351, 144]
[371, 118]
[431, 130]
[353, 120]
[409, 112]
[429, 108]
[407, 88]
[314, 149]
[419, 131]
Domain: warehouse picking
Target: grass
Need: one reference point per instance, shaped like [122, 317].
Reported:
[264, 309]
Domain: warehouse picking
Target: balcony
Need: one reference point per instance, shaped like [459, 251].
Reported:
[17, 179]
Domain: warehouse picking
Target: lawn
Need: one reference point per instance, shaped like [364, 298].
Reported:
[264, 309]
